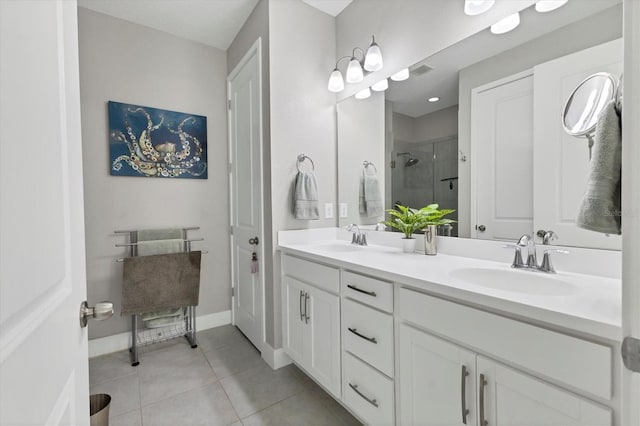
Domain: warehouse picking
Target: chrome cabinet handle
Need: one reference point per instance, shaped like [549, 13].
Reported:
[373, 402]
[355, 331]
[370, 293]
[481, 385]
[306, 312]
[300, 302]
[463, 394]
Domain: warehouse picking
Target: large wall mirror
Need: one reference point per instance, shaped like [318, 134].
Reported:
[478, 128]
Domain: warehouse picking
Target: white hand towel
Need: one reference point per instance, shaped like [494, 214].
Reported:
[153, 247]
[371, 189]
[305, 197]
[600, 209]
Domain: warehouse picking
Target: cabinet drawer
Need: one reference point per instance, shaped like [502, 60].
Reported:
[556, 356]
[368, 334]
[324, 277]
[367, 392]
[371, 291]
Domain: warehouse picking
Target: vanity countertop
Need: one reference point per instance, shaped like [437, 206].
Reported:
[587, 304]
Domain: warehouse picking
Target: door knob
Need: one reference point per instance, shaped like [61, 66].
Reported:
[254, 241]
[100, 312]
[481, 228]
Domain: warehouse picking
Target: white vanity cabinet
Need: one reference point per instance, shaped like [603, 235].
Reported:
[311, 329]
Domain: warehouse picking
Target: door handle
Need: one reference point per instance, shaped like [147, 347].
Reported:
[254, 241]
[371, 401]
[306, 312]
[481, 228]
[463, 394]
[355, 331]
[100, 312]
[370, 293]
[481, 385]
[300, 303]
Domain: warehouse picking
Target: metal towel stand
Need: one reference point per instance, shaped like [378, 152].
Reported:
[156, 335]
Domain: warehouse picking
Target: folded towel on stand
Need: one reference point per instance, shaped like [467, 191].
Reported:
[159, 234]
[600, 210]
[370, 200]
[305, 197]
[153, 247]
[159, 282]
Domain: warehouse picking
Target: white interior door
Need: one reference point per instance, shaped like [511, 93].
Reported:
[561, 161]
[43, 350]
[502, 158]
[245, 151]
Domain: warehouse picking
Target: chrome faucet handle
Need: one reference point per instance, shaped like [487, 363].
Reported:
[517, 259]
[546, 265]
[363, 239]
[532, 257]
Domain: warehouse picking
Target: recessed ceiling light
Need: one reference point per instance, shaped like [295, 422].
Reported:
[507, 24]
[476, 7]
[363, 94]
[401, 75]
[434, 99]
[549, 5]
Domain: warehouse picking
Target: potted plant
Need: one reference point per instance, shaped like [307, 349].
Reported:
[431, 218]
[407, 221]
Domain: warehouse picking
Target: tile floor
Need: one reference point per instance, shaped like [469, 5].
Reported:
[222, 382]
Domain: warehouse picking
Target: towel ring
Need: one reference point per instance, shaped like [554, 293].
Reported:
[301, 159]
[366, 164]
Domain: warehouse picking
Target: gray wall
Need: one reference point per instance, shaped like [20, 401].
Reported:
[257, 26]
[130, 63]
[568, 39]
[303, 118]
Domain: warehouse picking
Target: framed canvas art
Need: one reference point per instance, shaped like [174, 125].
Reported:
[151, 142]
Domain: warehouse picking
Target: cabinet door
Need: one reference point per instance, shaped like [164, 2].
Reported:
[433, 388]
[322, 334]
[513, 398]
[294, 324]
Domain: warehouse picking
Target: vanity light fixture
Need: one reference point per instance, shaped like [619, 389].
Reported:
[549, 5]
[507, 24]
[401, 75]
[433, 99]
[380, 86]
[477, 7]
[371, 61]
[363, 94]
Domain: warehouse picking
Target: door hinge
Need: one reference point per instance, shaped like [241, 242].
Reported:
[233, 291]
[231, 230]
[229, 104]
[631, 353]
[230, 168]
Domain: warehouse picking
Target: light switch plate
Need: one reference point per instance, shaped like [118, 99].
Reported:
[344, 210]
[328, 210]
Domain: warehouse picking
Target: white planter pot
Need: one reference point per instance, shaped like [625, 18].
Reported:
[408, 245]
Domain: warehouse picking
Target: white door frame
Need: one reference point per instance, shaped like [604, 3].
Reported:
[255, 49]
[631, 204]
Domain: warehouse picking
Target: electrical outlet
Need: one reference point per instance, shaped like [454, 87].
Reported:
[328, 210]
[344, 210]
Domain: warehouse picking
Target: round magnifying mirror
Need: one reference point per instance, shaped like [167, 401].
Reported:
[586, 102]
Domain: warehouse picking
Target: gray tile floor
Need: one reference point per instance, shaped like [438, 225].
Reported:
[222, 382]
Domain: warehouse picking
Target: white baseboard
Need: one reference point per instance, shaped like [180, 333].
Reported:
[119, 342]
[276, 358]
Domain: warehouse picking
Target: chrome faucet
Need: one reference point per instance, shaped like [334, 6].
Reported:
[359, 238]
[547, 236]
[532, 260]
[528, 242]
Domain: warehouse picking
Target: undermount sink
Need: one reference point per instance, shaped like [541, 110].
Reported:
[339, 247]
[515, 280]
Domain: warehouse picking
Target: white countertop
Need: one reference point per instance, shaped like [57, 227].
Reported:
[587, 304]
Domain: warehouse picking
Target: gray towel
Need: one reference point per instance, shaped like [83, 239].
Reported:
[165, 281]
[370, 202]
[305, 197]
[159, 234]
[150, 248]
[600, 209]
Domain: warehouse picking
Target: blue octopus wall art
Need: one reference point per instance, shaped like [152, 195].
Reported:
[152, 142]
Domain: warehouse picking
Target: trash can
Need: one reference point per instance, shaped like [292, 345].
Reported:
[99, 409]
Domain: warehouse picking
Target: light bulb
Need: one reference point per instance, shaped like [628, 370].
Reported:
[354, 71]
[373, 59]
[401, 75]
[549, 5]
[381, 85]
[336, 83]
[476, 7]
[434, 99]
[363, 94]
[507, 24]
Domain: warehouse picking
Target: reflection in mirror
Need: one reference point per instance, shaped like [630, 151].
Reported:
[432, 152]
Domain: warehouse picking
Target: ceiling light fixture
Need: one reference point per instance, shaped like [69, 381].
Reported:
[401, 75]
[380, 86]
[549, 5]
[371, 62]
[477, 7]
[434, 99]
[363, 94]
[507, 24]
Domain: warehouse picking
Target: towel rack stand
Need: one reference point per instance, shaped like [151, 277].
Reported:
[145, 337]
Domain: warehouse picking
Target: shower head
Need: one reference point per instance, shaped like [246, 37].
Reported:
[411, 161]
